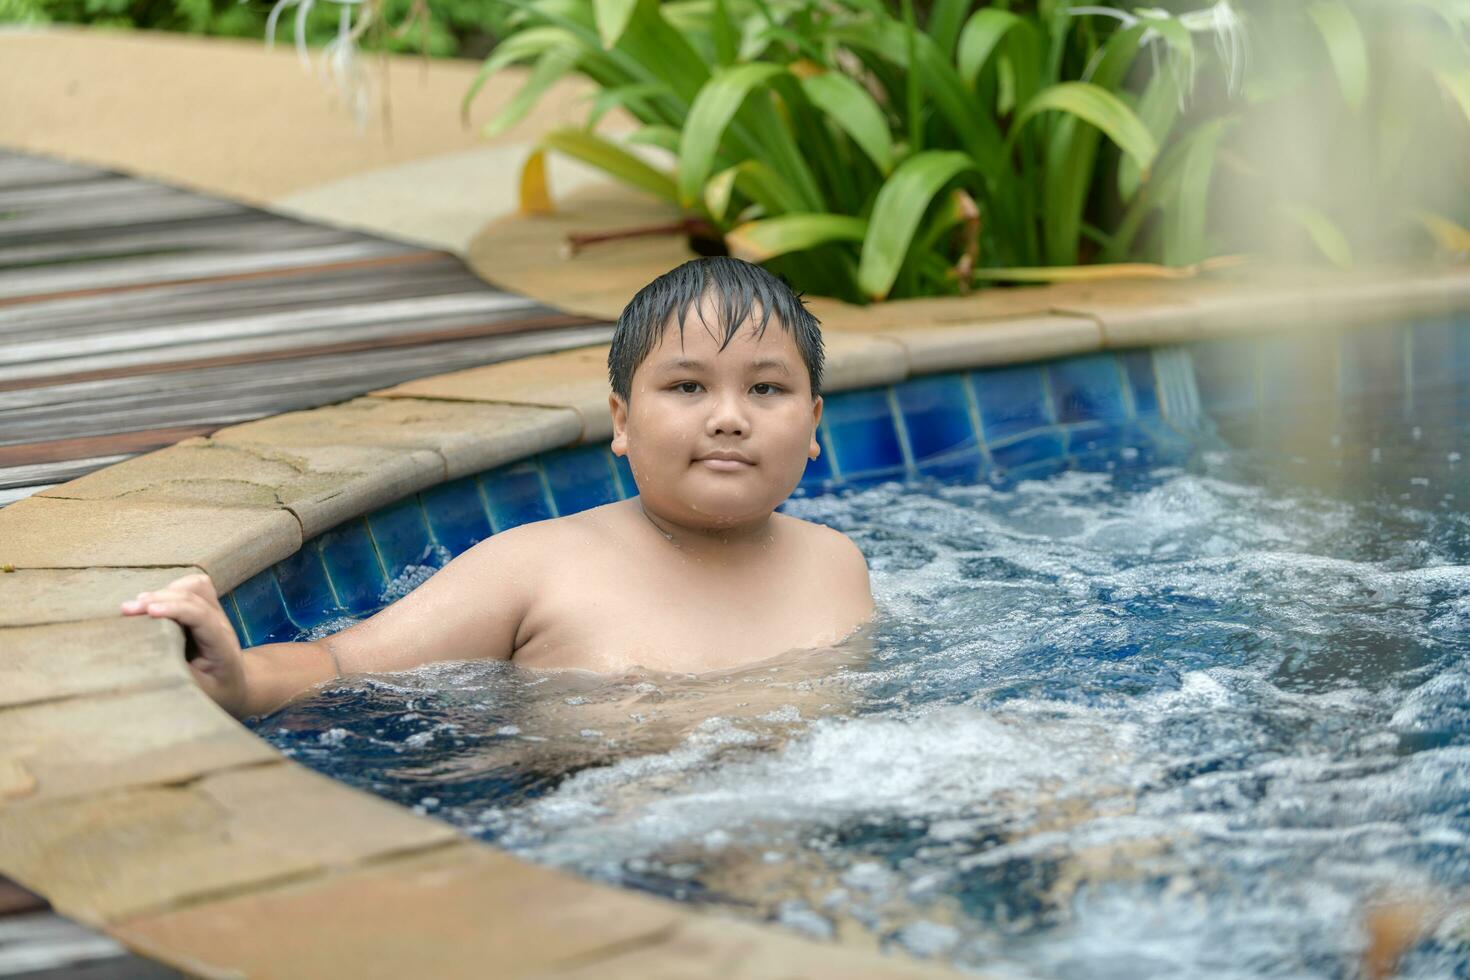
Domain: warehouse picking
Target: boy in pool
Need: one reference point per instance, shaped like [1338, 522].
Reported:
[696, 573]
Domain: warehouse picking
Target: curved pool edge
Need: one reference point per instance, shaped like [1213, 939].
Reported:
[134, 804]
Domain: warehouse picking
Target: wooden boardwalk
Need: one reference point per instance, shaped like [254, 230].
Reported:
[133, 315]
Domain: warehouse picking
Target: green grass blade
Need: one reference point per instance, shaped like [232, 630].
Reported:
[711, 114]
[1345, 47]
[982, 37]
[630, 96]
[1185, 219]
[612, 160]
[850, 106]
[550, 67]
[757, 241]
[663, 137]
[724, 34]
[897, 211]
[1158, 107]
[522, 46]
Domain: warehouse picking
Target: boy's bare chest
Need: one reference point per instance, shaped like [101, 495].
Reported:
[669, 614]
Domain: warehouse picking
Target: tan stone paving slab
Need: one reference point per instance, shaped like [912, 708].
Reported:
[571, 379]
[39, 663]
[229, 543]
[957, 346]
[122, 854]
[92, 744]
[468, 437]
[711, 947]
[322, 485]
[461, 911]
[34, 596]
[856, 361]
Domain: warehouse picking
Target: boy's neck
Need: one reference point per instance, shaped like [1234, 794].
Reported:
[699, 541]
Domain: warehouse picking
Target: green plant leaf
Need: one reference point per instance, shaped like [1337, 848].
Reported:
[611, 159]
[945, 18]
[900, 205]
[982, 37]
[714, 108]
[663, 137]
[757, 241]
[521, 46]
[1328, 238]
[1185, 218]
[1100, 108]
[621, 95]
[551, 66]
[759, 182]
[850, 106]
[612, 18]
[1345, 47]
[724, 34]
[1158, 108]
[718, 190]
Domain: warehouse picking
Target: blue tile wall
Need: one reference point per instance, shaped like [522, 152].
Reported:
[1011, 402]
[353, 566]
[262, 611]
[581, 478]
[401, 535]
[516, 495]
[305, 587]
[938, 421]
[456, 514]
[1089, 389]
[1004, 425]
[233, 615]
[861, 431]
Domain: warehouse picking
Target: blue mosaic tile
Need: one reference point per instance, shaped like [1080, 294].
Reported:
[1371, 361]
[1139, 366]
[1225, 372]
[402, 536]
[1440, 353]
[625, 476]
[936, 417]
[1029, 449]
[516, 495]
[1298, 368]
[353, 566]
[818, 473]
[1101, 437]
[233, 615]
[1011, 401]
[1162, 443]
[1041, 469]
[580, 478]
[305, 588]
[456, 514]
[1088, 389]
[262, 611]
[862, 434]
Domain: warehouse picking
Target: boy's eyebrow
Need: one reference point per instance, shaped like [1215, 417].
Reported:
[689, 364]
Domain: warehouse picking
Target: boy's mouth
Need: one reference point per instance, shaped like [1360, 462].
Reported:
[725, 459]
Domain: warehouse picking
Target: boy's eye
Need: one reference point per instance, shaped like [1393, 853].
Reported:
[687, 387]
[765, 388]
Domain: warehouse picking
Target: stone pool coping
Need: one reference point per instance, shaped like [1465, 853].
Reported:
[137, 806]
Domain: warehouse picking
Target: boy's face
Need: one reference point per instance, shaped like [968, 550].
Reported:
[694, 403]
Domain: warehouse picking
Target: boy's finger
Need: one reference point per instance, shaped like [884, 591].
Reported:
[198, 583]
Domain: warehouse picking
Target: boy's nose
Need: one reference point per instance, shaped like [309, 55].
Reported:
[727, 419]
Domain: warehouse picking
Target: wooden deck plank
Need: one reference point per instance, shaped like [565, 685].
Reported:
[133, 315]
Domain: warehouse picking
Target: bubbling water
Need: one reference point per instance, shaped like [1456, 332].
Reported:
[1175, 722]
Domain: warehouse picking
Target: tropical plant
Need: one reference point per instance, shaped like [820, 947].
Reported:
[867, 157]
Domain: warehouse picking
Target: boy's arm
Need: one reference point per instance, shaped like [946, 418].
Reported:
[471, 608]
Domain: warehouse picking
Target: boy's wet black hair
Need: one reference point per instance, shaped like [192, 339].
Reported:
[737, 286]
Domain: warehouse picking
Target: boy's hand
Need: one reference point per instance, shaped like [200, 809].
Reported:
[211, 648]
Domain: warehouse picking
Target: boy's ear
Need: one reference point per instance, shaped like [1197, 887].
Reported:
[815, 449]
[619, 409]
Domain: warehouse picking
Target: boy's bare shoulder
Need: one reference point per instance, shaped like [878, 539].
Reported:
[826, 543]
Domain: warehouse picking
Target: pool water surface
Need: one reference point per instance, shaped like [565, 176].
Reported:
[1174, 721]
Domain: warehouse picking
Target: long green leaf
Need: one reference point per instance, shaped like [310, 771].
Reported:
[982, 37]
[724, 34]
[1345, 47]
[612, 18]
[521, 46]
[1325, 234]
[897, 210]
[757, 241]
[1185, 220]
[1158, 107]
[1100, 108]
[945, 18]
[710, 115]
[757, 181]
[550, 67]
[850, 106]
[620, 95]
[611, 159]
